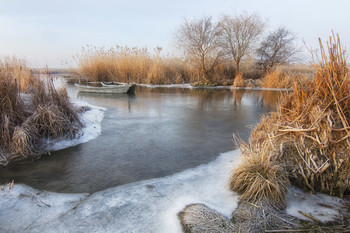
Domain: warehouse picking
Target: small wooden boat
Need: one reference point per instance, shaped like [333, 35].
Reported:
[120, 88]
[111, 84]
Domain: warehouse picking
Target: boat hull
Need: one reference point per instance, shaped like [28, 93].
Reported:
[115, 89]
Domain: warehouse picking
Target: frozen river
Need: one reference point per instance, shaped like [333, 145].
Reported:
[154, 133]
[141, 160]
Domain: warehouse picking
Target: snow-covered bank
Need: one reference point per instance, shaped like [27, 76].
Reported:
[92, 126]
[189, 86]
[146, 206]
[320, 206]
[166, 85]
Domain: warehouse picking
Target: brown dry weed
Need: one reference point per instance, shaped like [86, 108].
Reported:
[310, 134]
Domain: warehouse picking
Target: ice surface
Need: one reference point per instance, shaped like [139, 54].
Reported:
[24, 208]
[92, 126]
[323, 207]
[145, 206]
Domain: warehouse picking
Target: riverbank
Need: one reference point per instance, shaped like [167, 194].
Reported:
[189, 86]
[146, 206]
[33, 111]
[90, 118]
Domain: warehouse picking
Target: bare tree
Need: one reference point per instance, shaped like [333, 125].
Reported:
[240, 34]
[199, 40]
[278, 48]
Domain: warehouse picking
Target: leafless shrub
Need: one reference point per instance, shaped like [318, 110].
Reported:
[277, 48]
[239, 35]
[199, 40]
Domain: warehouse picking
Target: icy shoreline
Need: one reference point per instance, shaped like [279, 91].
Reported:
[145, 206]
[92, 127]
[189, 86]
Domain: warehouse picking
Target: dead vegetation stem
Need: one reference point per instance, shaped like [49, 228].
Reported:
[306, 141]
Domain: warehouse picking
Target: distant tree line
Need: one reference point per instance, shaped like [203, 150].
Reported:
[206, 44]
[215, 52]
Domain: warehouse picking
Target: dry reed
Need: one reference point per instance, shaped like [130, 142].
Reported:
[119, 64]
[18, 70]
[306, 142]
[260, 217]
[238, 81]
[24, 125]
[126, 64]
[315, 128]
[250, 83]
[309, 134]
[277, 79]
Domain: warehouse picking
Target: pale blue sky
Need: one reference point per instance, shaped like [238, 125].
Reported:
[51, 32]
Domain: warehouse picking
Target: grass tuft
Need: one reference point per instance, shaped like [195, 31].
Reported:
[259, 178]
[238, 81]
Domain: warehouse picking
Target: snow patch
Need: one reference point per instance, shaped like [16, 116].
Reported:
[189, 86]
[92, 126]
[24, 208]
[145, 206]
[166, 85]
[321, 206]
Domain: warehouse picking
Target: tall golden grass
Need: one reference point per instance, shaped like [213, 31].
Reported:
[119, 64]
[25, 122]
[126, 64]
[277, 79]
[17, 69]
[315, 126]
[308, 138]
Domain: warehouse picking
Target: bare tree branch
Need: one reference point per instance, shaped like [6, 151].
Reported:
[277, 48]
[199, 40]
[240, 34]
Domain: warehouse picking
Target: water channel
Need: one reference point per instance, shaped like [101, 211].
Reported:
[153, 133]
